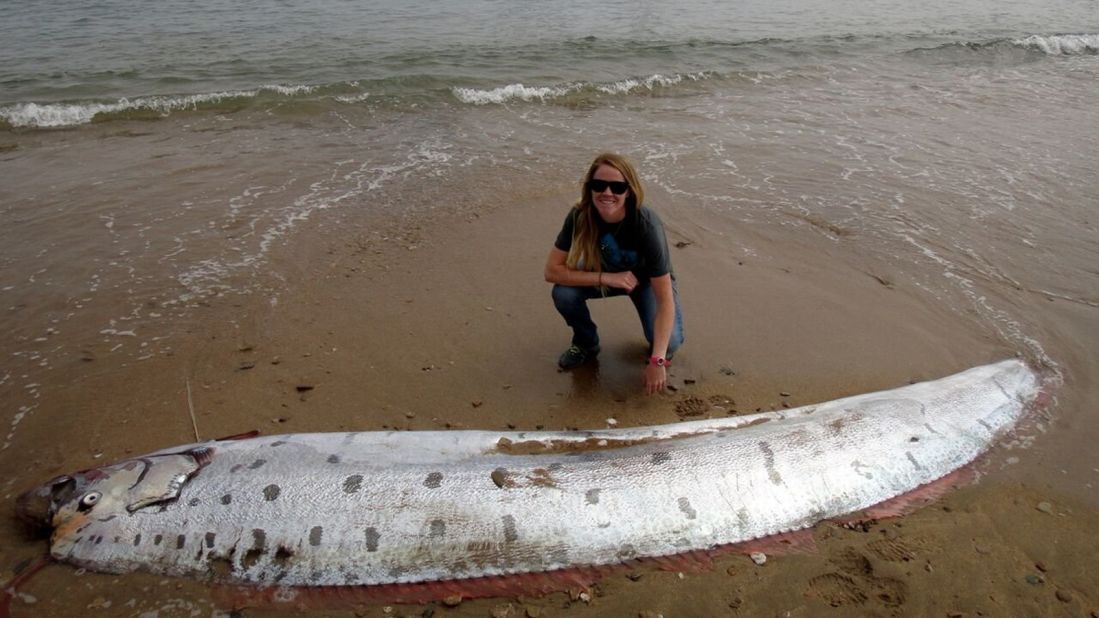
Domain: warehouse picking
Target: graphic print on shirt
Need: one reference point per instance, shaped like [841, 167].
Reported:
[615, 258]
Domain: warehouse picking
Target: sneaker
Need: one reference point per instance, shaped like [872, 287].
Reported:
[576, 356]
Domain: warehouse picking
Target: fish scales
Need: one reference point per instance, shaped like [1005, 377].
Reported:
[399, 507]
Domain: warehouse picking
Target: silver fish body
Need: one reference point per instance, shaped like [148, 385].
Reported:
[397, 507]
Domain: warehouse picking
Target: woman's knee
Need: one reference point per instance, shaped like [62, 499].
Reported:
[567, 298]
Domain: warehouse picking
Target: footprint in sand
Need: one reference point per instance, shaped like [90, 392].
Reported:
[856, 583]
[837, 590]
[894, 550]
[691, 406]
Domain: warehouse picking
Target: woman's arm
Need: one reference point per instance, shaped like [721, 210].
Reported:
[558, 272]
[656, 378]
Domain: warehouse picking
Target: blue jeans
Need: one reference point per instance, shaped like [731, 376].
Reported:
[572, 304]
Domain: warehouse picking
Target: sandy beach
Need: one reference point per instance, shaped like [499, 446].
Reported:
[443, 321]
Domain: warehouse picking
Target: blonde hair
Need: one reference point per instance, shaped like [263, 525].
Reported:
[585, 233]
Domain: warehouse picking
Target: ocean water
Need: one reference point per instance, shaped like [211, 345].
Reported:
[154, 155]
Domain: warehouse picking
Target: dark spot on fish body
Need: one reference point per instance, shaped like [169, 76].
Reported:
[283, 556]
[397, 571]
[769, 462]
[315, 576]
[510, 533]
[181, 540]
[592, 496]
[554, 467]
[278, 443]
[259, 543]
[438, 528]
[227, 499]
[271, 492]
[351, 578]
[912, 459]
[433, 480]
[688, 510]
[117, 539]
[372, 538]
[352, 483]
[257, 464]
[333, 459]
[157, 539]
[236, 468]
[315, 535]
[210, 540]
[661, 458]
[194, 502]
[137, 540]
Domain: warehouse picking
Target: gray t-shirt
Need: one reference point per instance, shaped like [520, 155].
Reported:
[636, 243]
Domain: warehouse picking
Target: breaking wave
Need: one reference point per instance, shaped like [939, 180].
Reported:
[520, 92]
[1061, 44]
[55, 115]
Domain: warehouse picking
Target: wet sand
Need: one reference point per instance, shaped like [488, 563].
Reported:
[445, 322]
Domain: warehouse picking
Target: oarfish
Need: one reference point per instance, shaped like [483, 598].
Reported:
[360, 509]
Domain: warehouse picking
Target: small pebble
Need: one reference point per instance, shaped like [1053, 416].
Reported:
[1033, 580]
[533, 611]
[585, 597]
[503, 611]
[634, 576]
[648, 613]
[1063, 596]
[27, 598]
[981, 549]
[1046, 508]
[759, 558]
[612, 422]
[453, 600]
[1041, 566]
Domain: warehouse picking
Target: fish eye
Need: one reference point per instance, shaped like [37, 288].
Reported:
[89, 500]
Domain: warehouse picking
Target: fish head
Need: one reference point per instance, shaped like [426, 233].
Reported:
[68, 501]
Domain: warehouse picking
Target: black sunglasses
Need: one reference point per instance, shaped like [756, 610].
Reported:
[617, 187]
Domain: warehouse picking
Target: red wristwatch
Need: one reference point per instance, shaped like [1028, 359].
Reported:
[659, 362]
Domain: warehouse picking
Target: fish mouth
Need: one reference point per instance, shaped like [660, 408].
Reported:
[35, 508]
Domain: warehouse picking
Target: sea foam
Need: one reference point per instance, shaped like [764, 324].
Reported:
[512, 92]
[1062, 44]
[54, 115]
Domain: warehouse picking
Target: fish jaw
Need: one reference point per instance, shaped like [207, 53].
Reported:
[35, 507]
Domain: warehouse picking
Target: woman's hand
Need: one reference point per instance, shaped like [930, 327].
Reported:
[623, 280]
[655, 378]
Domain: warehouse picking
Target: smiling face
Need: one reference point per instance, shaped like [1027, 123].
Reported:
[610, 206]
